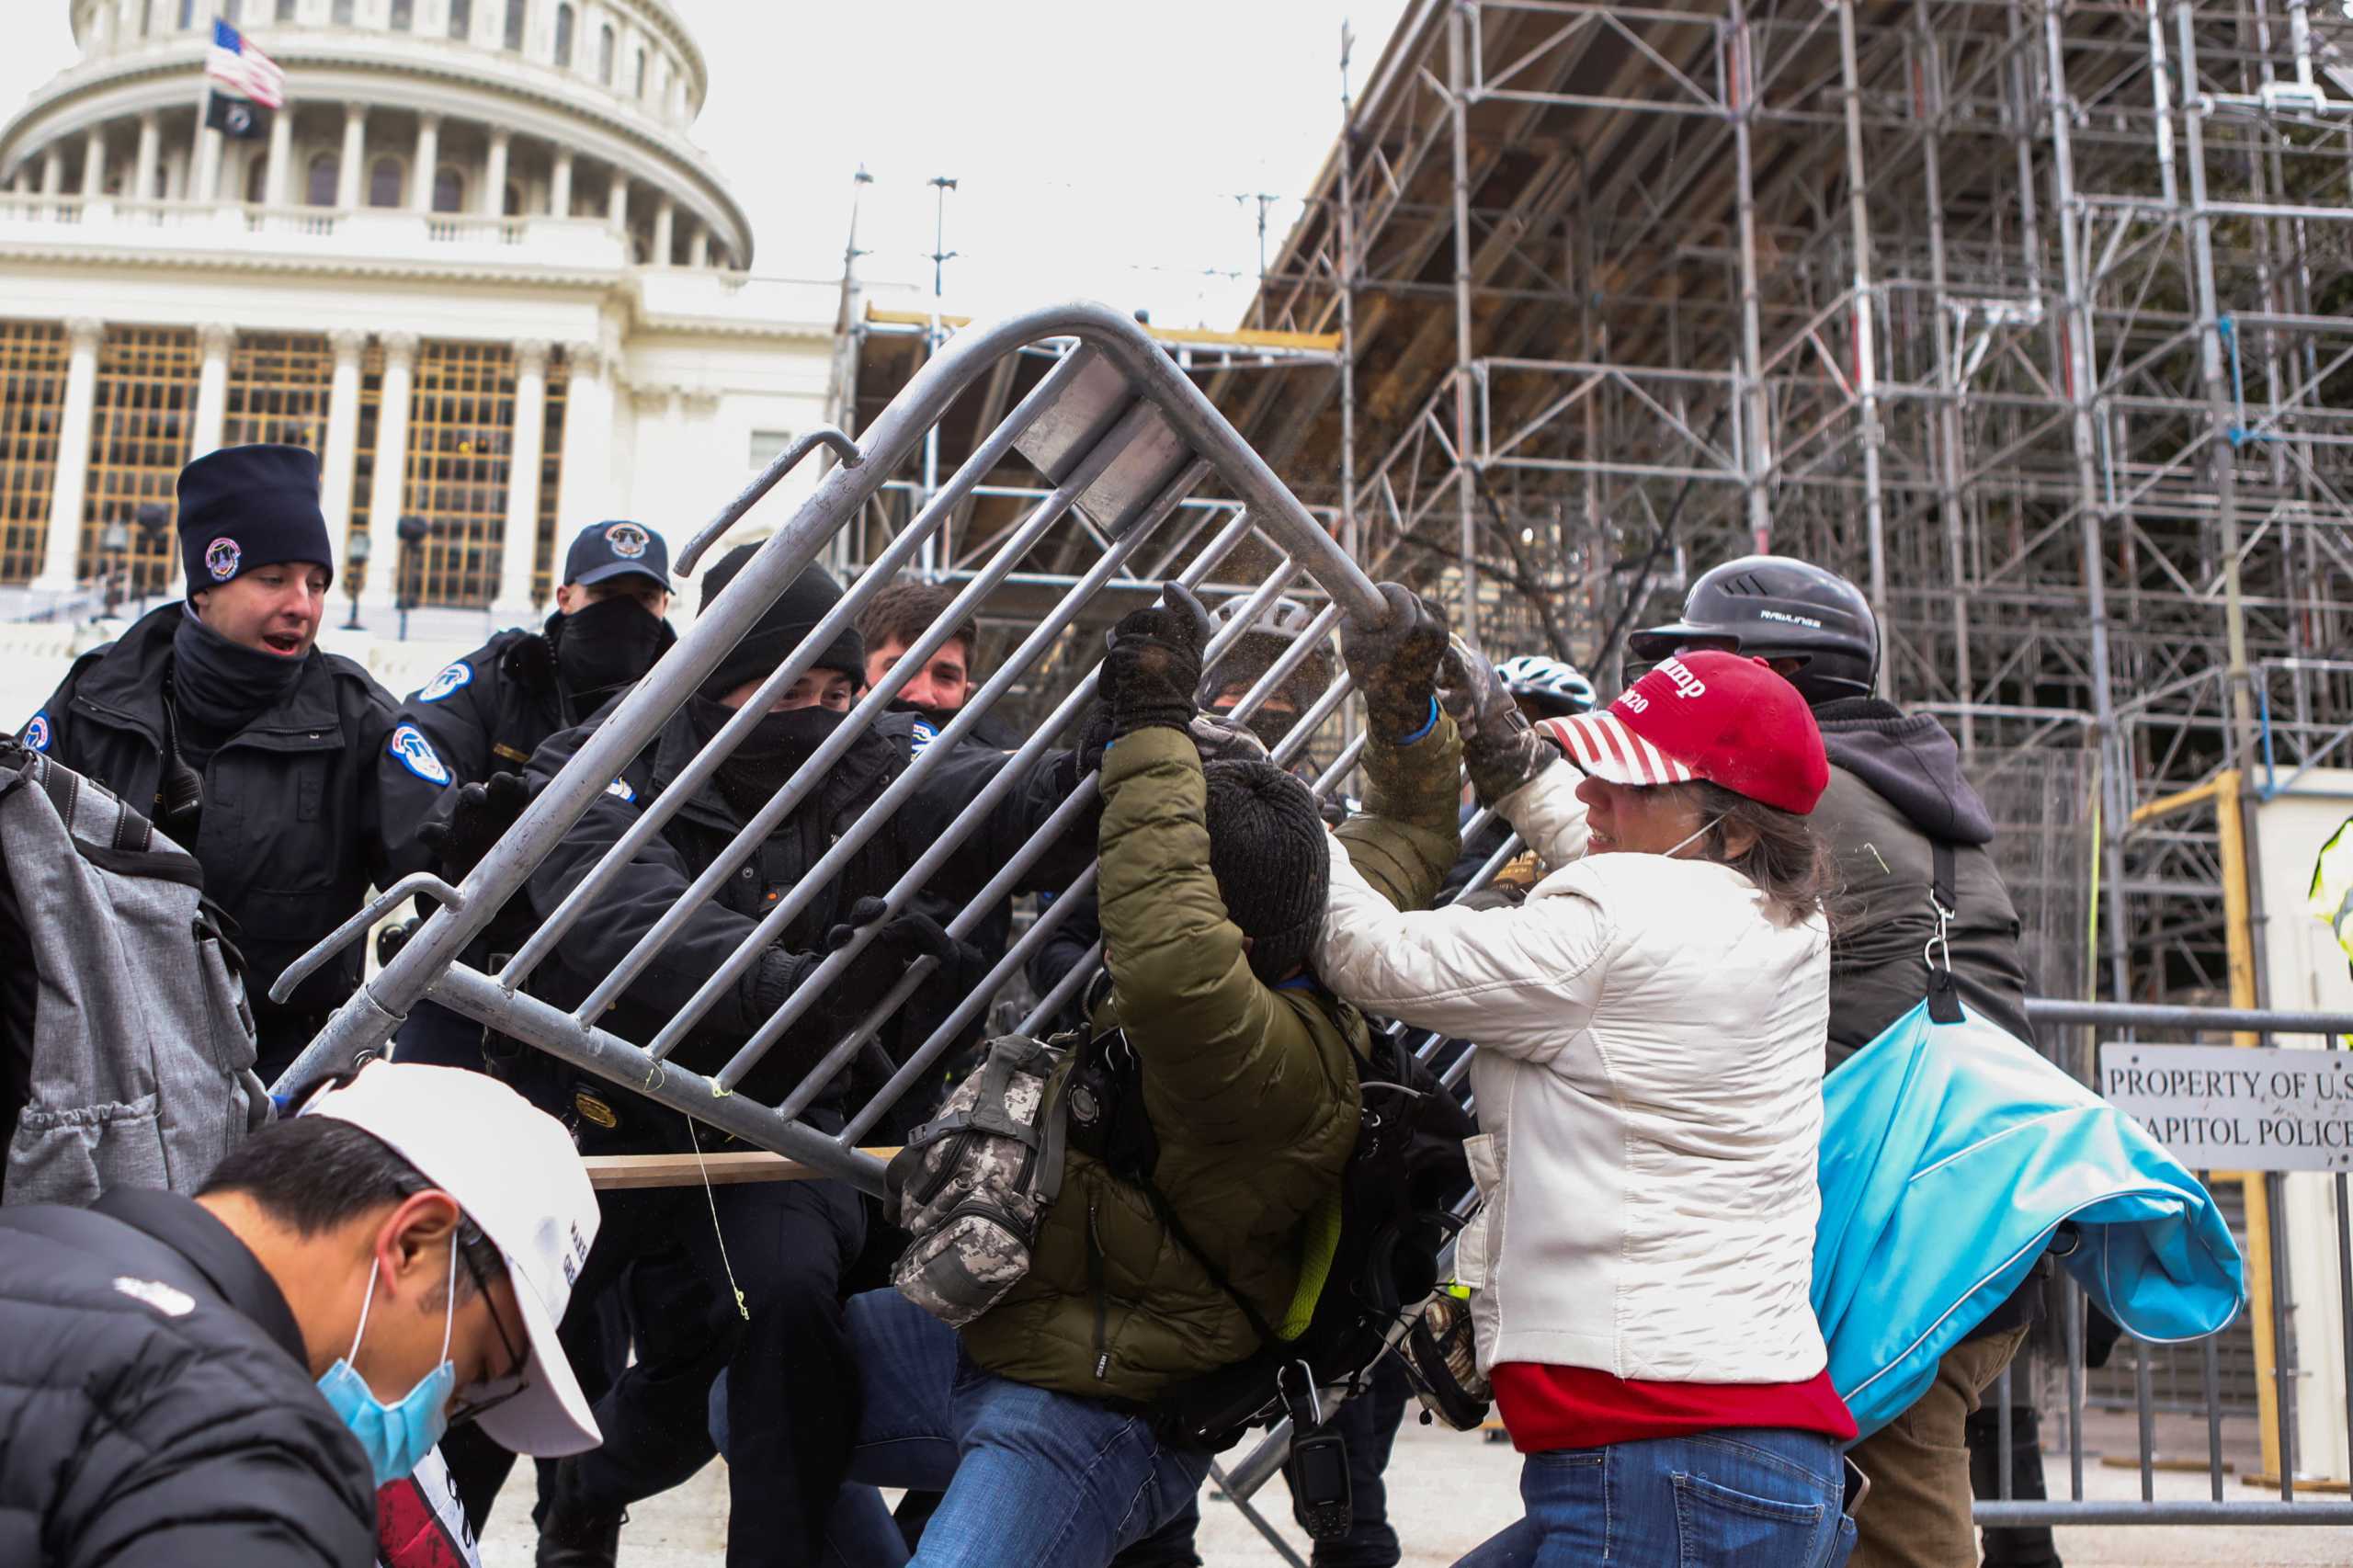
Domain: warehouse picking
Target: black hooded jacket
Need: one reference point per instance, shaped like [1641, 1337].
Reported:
[693, 839]
[156, 1405]
[1896, 790]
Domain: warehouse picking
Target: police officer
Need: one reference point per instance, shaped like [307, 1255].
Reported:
[221, 719]
[1906, 826]
[783, 1245]
[481, 718]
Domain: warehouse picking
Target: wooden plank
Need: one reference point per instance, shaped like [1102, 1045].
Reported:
[615, 1172]
[1198, 337]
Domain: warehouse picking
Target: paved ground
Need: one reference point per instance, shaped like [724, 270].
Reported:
[1449, 1490]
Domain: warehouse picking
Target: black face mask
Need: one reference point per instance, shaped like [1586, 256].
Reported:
[606, 645]
[937, 718]
[1270, 724]
[771, 753]
[218, 686]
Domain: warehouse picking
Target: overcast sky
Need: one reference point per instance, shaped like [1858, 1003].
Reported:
[1100, 147]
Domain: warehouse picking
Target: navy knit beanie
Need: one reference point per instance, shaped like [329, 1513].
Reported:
[795, 612]
[243, 508]
[1272, 861]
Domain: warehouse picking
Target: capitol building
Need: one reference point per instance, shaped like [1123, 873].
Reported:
[476, 262]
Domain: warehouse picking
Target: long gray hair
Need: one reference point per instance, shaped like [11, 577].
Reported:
[1785, 860]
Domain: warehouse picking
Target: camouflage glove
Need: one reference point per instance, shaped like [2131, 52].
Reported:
[1501, 751]
[478, 818]
[1155, 664]
[1395, 661]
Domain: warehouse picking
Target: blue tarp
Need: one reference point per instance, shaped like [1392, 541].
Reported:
[1949, 1154]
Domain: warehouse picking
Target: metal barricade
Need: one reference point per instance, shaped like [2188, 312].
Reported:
[1124, 437]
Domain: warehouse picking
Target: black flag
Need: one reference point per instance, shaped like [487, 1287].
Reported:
[239, 118]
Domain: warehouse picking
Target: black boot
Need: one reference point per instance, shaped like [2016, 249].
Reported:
[573, 1533]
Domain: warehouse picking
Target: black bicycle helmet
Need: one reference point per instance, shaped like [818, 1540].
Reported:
[1773, 607]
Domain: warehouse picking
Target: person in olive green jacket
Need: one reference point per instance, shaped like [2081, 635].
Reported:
[1213, 879]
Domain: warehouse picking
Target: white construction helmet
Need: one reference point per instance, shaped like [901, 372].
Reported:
[1558, 687]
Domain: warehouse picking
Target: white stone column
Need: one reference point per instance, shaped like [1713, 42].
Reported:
[699, 245]
[204, 173]
[281, 155]
[423, 164]
[615, 203]
[518, 555]
[342, 455]
[52, 170]
[348, 174]
[560, 191]
[217, 339]
[493, 177]
[584, 486]
[61, 561]
[665, 220]
[176, 175]
[94, 164]
[388, 484]
[143, 168]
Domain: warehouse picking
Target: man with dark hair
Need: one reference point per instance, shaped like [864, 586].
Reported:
[220, 722]
[892, 622]
[785, 1245]
[231, 1378]
[1910, 835]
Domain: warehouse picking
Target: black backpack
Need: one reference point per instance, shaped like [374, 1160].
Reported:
[1397, 1194]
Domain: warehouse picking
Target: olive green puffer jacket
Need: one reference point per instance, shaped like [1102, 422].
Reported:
[1251, 1089]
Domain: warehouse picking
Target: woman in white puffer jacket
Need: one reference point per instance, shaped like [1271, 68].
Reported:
[1651, 1023]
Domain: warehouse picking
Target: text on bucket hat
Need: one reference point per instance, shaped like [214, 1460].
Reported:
[513, 1169]
[1710, 715]
[245, 507]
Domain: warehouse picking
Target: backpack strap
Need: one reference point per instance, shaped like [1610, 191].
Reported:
[1166, 1215]
[1944, 998]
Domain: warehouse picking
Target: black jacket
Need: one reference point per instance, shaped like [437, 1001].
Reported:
[293, 832]
[483, 714]
[693, 839]
[157, 1404]
[1896, 789]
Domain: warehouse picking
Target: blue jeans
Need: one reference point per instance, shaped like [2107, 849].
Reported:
[1031, 1476]
[1733, 1498]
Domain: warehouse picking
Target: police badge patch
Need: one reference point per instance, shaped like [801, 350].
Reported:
[37, 733]
[452, 678]
[413, 750]
[628, 541]
[924, 732]
[619, 791]
[220, 558]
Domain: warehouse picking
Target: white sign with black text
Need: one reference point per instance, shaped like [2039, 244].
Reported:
[2231, 1108]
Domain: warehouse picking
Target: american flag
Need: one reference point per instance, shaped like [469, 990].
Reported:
[243, 69]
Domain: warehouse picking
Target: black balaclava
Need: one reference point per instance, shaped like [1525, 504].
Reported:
[780, 743]
[218, 687]
[604, 646]
[1272, 861]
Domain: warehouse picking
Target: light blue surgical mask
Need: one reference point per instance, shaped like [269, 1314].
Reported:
[396, 1436]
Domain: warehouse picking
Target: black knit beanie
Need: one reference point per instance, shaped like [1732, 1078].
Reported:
[781, 627]
[1273, 865]
[243, 508]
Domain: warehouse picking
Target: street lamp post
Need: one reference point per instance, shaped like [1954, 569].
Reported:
[413, 530]
[355, 573]
[114, 545]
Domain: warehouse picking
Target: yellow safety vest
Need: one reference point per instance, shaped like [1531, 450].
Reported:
[2331, 897]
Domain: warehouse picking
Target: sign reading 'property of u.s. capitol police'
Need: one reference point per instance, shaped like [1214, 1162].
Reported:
[2227, 1109]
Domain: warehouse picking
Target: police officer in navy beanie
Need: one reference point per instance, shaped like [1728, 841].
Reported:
[221, 719]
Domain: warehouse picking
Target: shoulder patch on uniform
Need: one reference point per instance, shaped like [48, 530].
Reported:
[37, 733]
[618, 789]
[413, 750]
[170, 1301]
[924, 733]
[452, 678]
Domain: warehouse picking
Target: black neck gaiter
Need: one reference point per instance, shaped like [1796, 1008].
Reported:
[218, 687]
[604, 647]
[770, 754]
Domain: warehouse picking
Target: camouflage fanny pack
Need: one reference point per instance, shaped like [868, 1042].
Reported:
[973, 1183]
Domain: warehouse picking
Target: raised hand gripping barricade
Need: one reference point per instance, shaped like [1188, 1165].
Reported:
[1125, 439]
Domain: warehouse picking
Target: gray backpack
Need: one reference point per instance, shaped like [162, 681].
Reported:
[973, 1183]
[141, 1041]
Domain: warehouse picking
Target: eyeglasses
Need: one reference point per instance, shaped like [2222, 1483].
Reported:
[474, 1409]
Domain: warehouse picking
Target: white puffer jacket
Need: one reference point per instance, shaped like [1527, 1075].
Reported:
[1648, 1088]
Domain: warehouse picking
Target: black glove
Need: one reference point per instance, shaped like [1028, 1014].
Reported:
[1501, 750]
[478, 818]
[902, 939]
[1395, 661]
[1154, 665]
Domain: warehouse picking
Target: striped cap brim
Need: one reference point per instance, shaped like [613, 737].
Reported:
[1602, 745]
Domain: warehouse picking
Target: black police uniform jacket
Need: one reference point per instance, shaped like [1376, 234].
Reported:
[693, 839]
[483, 714]
[157, 1402]
[293, 832]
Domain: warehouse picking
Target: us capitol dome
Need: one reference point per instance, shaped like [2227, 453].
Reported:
[474, 259]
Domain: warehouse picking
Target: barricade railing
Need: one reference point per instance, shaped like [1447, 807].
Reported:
[1123, 437]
